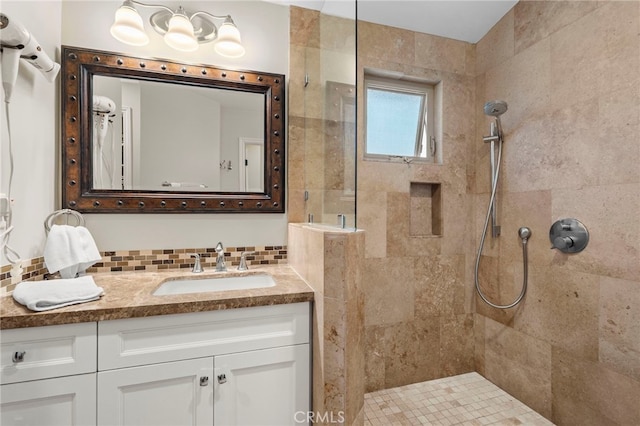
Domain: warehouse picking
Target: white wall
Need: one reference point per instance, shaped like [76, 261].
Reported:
[180, 144]
[34, 116]
[35, 123]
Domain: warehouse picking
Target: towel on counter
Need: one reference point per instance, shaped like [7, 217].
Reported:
[45, 295]
[70, 250]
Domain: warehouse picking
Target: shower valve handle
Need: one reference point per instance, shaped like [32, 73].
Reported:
[563, 243]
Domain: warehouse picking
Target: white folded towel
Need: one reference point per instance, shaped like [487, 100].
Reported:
[45, 295]
[70, 250]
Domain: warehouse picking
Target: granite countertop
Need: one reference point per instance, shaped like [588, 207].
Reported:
[129, 295]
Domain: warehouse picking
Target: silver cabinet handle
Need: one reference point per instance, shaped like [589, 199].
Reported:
[18, 356]
[204, 381]
[222, 378]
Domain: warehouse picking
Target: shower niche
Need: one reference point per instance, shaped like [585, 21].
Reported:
[425, 219]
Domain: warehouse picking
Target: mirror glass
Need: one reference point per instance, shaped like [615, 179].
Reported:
[157, 136]
[148, 135]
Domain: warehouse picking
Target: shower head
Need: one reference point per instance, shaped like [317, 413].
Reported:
[495, 108]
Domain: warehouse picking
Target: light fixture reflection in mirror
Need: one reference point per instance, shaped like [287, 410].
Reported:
[181, 30]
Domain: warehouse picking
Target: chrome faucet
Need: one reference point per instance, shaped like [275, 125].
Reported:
[197, 267]
[220, 265]
[243, 260]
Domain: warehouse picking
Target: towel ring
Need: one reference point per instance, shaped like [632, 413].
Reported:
[48, 222]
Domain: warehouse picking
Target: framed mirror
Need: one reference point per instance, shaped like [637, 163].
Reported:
[150, 135]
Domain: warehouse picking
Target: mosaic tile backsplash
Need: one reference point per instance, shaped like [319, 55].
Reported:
[155, 260]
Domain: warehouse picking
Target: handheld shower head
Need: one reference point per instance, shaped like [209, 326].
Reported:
[495, 108]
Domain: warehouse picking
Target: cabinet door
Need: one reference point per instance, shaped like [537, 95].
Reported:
[173, 393]
[264, 387]
[61, 401]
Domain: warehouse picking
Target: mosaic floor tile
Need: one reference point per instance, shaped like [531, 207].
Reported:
[467, 399]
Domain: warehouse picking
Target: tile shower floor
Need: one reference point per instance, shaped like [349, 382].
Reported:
[467, 399]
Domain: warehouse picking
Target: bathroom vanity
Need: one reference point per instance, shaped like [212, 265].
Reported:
[197, 363]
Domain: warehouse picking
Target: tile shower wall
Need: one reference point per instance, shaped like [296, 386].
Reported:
[570, 72]
[418, 310]
[330, 260]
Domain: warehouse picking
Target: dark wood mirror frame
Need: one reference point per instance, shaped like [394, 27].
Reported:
[79, 65]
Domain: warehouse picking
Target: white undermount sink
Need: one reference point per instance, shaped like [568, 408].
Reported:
[204, 285]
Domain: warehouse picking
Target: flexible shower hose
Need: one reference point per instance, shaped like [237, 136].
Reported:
[524, 235]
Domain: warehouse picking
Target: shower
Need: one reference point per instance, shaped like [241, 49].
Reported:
[496, 109]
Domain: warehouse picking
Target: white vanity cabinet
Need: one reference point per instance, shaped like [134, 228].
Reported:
[247, 366]
[48, 375]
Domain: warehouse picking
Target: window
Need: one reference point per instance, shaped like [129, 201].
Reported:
[399, 117]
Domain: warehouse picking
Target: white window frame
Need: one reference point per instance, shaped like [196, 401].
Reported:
[425, 141]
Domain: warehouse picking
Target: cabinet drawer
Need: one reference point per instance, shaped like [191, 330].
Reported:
[140, 341]
[44, 352]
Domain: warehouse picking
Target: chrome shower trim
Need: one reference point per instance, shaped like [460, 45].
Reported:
[495, 109]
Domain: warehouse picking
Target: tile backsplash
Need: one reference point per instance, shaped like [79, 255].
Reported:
[154, 260]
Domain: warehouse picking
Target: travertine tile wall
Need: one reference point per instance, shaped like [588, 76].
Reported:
[330, 260]
[418, 310]
[570, 72]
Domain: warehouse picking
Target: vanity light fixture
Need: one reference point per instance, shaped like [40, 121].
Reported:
[181, 30]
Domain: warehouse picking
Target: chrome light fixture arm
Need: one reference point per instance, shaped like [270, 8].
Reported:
[210, 15]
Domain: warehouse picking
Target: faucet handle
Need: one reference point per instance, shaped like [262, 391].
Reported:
[243, 260]
[197, 267]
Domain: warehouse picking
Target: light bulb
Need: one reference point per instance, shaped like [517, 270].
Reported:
[228, 42]
[127, 26]
[180, 33]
